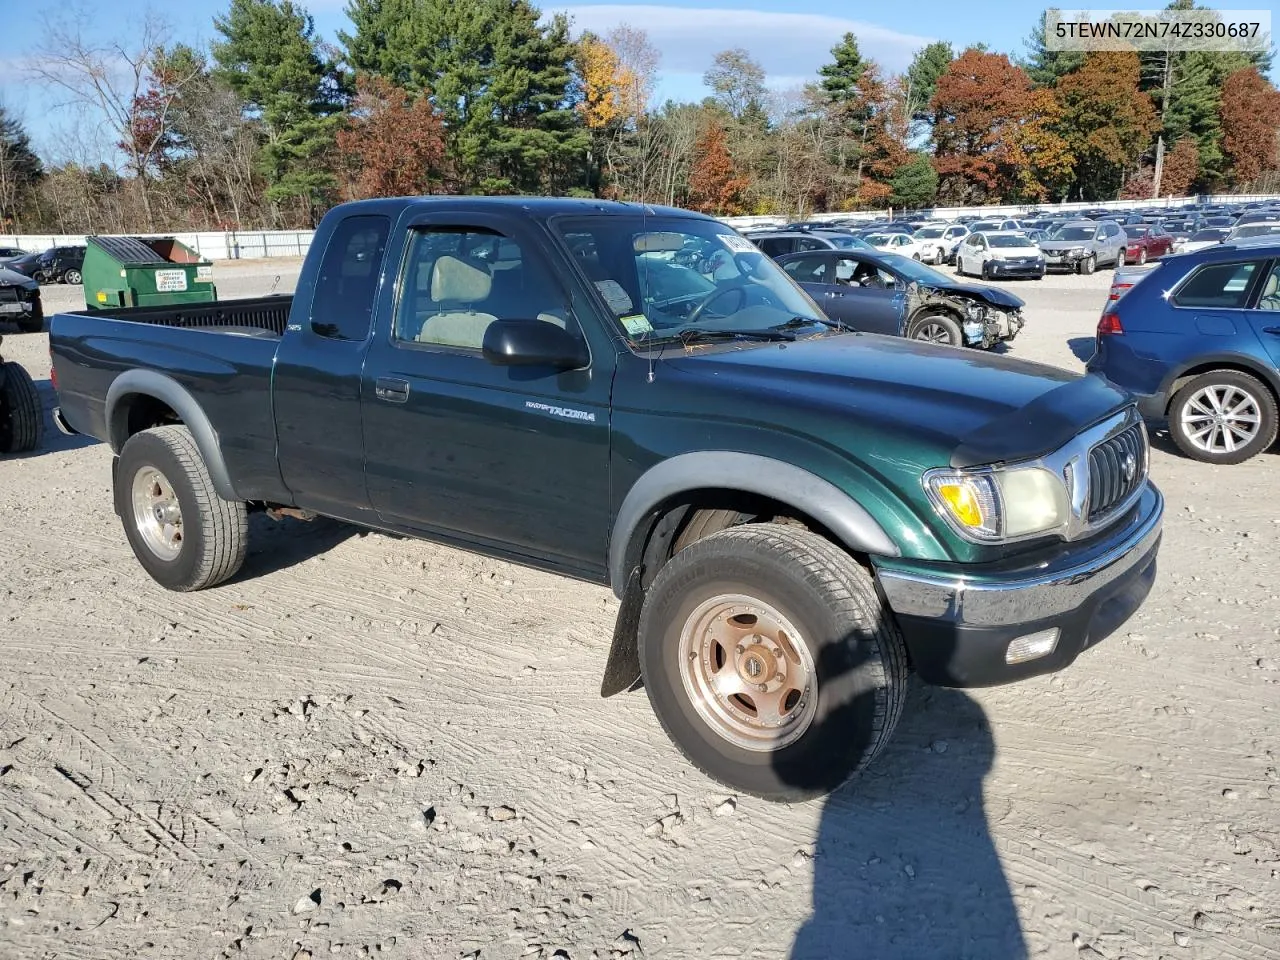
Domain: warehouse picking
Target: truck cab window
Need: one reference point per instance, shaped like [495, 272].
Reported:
[347, 284]
[460, 280]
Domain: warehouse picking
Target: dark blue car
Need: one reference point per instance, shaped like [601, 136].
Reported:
[878, 292]
[1197, 340]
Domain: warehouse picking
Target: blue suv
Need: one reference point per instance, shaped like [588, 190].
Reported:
[1197, 340]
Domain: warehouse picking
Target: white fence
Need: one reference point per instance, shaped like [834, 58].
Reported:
[253, 244]
[233, 245]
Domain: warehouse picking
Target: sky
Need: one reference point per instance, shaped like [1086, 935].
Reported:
[791, 38]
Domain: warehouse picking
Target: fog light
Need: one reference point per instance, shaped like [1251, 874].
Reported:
[1032, 646]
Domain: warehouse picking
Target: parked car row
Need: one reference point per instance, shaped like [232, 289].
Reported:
[55, 265]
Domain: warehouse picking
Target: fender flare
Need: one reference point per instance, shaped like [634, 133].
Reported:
[1240, 361]
[826, 503]
[149, 383]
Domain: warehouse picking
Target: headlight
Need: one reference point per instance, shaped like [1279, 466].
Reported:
[988, 506]
[1077, 251]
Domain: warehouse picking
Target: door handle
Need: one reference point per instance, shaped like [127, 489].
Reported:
[832, 294]
[391, 389]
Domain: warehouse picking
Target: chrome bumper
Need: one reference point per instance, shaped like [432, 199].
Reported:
[1031, 596]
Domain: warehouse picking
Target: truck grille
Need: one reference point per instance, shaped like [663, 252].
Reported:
[1117, 467]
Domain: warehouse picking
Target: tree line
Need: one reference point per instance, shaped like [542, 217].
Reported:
[271, 125]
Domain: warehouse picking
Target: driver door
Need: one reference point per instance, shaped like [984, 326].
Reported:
[867, 296]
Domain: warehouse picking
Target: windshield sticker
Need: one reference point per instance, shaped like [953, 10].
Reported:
[738, 244]
[636, 324]
[618, 299]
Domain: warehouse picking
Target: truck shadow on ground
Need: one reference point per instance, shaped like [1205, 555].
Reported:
[276, 545]
[904, 864]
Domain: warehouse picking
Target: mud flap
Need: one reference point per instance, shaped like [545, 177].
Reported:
[622, 672]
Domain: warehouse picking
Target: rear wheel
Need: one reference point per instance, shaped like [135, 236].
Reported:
[937, 328]
[21, 413]
[770, 661]
[1223, 416]
[184, 535]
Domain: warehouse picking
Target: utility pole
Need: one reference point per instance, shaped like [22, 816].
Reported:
[1155, 187]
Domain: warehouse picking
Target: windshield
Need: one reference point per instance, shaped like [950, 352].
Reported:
[984, 225]
[914, 270]
[1007, 241]
[1208, 235]
[850, 243]
[1256, 230]
[928, 233]
[663, 276]
[1073, 233]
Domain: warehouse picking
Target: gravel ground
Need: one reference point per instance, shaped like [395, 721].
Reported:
[366, 746]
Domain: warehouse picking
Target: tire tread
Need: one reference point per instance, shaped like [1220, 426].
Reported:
[22, 401]
[224, 524]
[852, 596]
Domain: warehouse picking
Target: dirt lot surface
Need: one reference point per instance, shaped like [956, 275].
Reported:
[365, 746]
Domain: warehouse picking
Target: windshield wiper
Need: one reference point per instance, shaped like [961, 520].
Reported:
[703, 334]
[807, 321]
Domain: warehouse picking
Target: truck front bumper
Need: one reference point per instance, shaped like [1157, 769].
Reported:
[970, 628]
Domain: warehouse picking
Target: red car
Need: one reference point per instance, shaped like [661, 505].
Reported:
[1145, 242]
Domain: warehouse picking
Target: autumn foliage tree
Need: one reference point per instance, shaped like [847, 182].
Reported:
[991, 130]
[1250, 125]
[391, 145]
[1105, 120]
[1181, 167]
[715, 186]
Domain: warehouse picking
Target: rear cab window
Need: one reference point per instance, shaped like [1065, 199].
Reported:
[342, 306]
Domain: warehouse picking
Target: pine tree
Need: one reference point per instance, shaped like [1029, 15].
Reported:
[20, 168]
[501, 80]
[915, 184]
[841, 76]
[1046, 67]
[272, 59]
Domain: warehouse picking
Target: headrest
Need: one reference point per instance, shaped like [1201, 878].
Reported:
[460, 281]
[844, 270]
[1272, 284]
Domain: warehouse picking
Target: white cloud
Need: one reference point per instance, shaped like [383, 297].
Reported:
[787, 45]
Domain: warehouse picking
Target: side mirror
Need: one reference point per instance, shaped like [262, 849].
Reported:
[529, 343]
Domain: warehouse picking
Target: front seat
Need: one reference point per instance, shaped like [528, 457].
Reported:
[456, 286]
[1270, 299]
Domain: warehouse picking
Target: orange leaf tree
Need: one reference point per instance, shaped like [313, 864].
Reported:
[1181, 167]
[714, 183]
[390, 145]
[1250, 125]
[1105, 120]
[991, 131]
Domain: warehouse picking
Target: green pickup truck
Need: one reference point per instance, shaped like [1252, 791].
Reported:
[794, 516]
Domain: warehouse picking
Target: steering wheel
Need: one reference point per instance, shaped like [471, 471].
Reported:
[695, 315]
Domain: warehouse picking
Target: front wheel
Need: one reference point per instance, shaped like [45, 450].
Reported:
[72, 276]
[937, 328]
[771, 662]
[1223, 416]
[21, 414]
[1089, 264]
[184, 535]
[959, 266]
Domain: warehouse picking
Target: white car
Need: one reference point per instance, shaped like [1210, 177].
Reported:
[938, 241]
[1000, 253]
[900, 243]
[1208, 237]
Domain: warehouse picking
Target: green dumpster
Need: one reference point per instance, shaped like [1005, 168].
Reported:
[144, 272]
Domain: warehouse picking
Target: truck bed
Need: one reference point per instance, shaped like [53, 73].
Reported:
[257, 316]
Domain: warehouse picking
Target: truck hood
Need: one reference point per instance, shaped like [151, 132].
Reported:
[971, 407]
